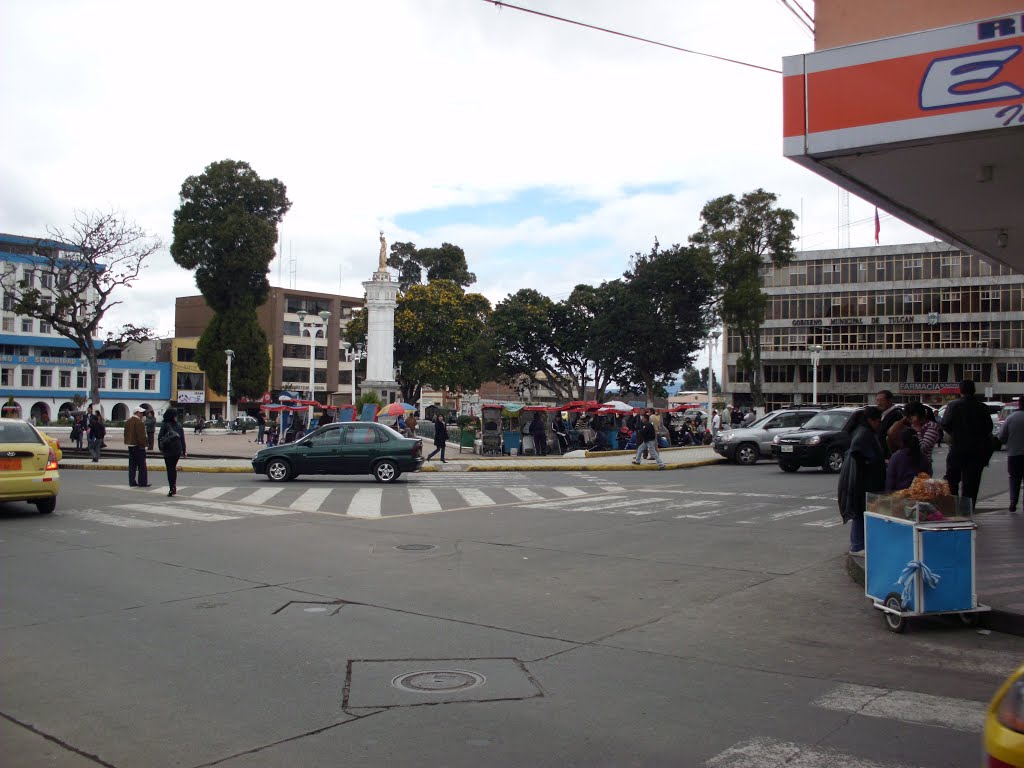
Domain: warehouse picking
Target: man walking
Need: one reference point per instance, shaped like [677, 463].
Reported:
[647, 440]
[1012, 436]
[969, 425]
[135, 442]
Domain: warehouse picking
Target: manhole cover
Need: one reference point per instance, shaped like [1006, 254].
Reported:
[438, 681]
[416, 547]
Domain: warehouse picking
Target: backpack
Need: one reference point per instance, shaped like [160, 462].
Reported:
[168, 438]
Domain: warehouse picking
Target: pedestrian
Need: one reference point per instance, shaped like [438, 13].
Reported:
[171, 442]
[150, 420]
[261, 427]
[272, 433]
[440, 438]
[1011, 434]
[135, 442]
[891, 413]
[97, 432]
[749, 418]
[906, 463]
[539, 435]
[716, 422]
[863, 472]
[77, 432]
[400, 424]
[927, 429]
[969, 425]
[647, 440]
[410, 425]
[326, 417]
[561, 433]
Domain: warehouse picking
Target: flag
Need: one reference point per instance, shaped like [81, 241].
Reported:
[878, 227]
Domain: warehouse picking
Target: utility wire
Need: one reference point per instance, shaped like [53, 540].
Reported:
[805, 13]
[501, 4]
[797, 19]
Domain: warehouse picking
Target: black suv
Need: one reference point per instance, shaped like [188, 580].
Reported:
[821, 442]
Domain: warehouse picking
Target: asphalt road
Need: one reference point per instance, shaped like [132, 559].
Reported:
[690, 618]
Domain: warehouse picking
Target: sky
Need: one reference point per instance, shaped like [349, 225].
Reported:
[550, 153]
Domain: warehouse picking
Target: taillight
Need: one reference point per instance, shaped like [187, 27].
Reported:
[1011, 708]
[51, 461]
[418, 449]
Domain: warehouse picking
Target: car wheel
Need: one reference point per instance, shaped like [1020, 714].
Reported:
[747, 453]
[787, 467]
[46, 506]
[279, 470]
[833, 460]
[385, 471]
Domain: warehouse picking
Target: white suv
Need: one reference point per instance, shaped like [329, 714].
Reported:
[745, 445]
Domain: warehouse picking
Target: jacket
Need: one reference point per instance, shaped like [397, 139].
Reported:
[1012, 433]
[863, 472]
[969, 425]
[176, 447]
[135, 433]
[647, 432]
[97, 431]
[537, 428]
[440, 433]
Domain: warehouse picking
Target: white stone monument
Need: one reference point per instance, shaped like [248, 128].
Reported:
[381, 293]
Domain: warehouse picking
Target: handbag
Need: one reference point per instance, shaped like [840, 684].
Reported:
[168, 438]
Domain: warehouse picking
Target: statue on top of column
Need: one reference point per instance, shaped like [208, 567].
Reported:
[383, 262]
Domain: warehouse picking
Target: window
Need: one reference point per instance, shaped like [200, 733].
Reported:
[929, 373]
[80, 377]
[990, 300]
[912, 269]
[329, 437]
[8, 325]
[65, 379]
[101, 380]
[46, 279]
[186, 355]
[189, 380]
[149, 382]
[8, 303]
[26, 325]
[28, 278]
[290, 328]
[798, 275]
[116, 380]
[1010, 372]
[6, 377]
[28, 377]
[361, 434]
[45, 377]
[45, 327]
[62, 280]
[133, 381]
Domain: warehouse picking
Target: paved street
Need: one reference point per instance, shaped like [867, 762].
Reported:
[695, 617]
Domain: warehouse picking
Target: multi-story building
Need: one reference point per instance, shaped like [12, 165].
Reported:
[914, 319]
[290, 348]
[44, 374]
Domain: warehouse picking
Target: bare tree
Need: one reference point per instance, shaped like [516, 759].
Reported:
[73, 279]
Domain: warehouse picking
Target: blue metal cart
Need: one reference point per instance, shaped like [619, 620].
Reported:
[920, 568]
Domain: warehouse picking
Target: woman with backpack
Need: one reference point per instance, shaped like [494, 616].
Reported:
[171, 442]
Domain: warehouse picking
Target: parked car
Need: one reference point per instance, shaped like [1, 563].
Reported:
[28, 466]
[1004, 724]
[346, 448]
[821, 442]
[745, 445]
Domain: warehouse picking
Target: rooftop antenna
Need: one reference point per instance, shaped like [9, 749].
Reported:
[844, 218]
[292, 266]
[280, 260]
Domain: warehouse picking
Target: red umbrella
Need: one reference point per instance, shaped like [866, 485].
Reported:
[395, 409]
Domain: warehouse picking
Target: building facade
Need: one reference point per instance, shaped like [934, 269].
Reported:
[914, 319]
[290, 349]
[44, 374]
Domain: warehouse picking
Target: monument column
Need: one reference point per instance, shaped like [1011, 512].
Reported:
[381, 295]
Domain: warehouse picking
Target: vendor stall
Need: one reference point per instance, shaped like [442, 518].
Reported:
[919, 554]
[490, 414]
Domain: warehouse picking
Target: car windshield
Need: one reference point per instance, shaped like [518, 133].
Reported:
[392, 433]
[18, 432]
[760, 422]
[827, 420]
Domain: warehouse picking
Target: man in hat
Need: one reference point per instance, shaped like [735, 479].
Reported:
[135, 442]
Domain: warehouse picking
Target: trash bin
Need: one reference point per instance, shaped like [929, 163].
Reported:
[467, 439]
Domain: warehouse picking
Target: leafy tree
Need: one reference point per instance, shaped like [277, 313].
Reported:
[445, 263]
[522, 336]
[742, 236]
[406, 261]
[225, 229]
[88, 261]
[694, 380]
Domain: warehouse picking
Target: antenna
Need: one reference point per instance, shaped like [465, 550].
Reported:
[292, 266]
[844, 218]
[280, 259]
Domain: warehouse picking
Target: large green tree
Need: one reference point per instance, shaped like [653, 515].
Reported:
[414, 264]
[741, 237]
[225, 230]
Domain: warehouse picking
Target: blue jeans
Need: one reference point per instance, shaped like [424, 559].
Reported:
[652, 450]
[94, 447]
[857, 533]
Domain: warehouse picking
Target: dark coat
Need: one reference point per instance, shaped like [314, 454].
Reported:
[440, 433]
[175, 447]
[863, 472]
[969, 425]
[537, 428]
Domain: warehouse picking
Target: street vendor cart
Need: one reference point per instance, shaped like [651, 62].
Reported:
[490, 414]
[919, 557]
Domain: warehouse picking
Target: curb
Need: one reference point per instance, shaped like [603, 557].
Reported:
[593, 467]
[154, 468]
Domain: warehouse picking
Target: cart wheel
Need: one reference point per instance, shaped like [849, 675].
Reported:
[969, 619]
[895, 623]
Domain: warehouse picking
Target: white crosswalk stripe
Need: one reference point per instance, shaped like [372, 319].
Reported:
[524, 494]
[423, 500]
[474, 497]
[366, 503]
[769, 753]
[261, 496]
[184, 513]
[310, 500]
[569, 490]
[96, 516]
[212, 493]
[909, 707]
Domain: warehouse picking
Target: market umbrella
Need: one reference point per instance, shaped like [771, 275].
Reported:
[618, 406]
[397, 409]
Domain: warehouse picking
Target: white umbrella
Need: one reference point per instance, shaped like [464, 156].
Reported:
[617, 405]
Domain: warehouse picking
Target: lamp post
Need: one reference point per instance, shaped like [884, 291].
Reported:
[712, 345]
[230, 355]
[353, 356]
[815, 350]
[312, 329]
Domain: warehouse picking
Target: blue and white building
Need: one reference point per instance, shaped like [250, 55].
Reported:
[42, 372]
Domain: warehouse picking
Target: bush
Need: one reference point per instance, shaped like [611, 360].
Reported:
[468, 422]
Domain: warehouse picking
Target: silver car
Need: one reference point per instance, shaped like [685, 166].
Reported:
[745, 445]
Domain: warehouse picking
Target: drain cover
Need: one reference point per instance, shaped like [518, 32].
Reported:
[438, 681]
[416, 547]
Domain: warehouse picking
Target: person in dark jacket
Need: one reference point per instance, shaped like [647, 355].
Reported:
[440, 438]
[150, 429]
[907, 463]
[171, 442]
[969, 425]
[891, 413]
[96, 434]
[539, 435]
[561, 433]
[1011, 434]
[863, 472]
[261, 427]
[647, 442]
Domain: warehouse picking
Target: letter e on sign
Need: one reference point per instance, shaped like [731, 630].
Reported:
[966, 79]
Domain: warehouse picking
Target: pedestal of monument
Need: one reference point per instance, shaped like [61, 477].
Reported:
[381, 295]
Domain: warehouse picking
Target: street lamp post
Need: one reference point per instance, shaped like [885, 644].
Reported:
[312, 329]
[353, 356]
[230, 355]
[815, 350]
[712, 345]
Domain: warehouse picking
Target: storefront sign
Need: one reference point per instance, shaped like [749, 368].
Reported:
[191, 396]
[840, 321]
[943, 388]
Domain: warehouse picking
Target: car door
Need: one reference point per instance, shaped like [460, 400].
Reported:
[784, 422]
[321, 452]
[359, 448]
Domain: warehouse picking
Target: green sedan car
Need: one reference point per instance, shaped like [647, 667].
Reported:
[348, 448]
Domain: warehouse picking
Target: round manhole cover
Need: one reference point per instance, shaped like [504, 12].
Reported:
[416, 547]
[438, 681]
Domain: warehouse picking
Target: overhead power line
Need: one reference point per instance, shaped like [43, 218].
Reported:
[500, 4]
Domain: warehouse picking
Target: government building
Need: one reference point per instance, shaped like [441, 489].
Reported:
[914, 319]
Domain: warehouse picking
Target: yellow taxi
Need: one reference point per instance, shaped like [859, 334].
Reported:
[28, 466]
[1004, 724]
[54, 443]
